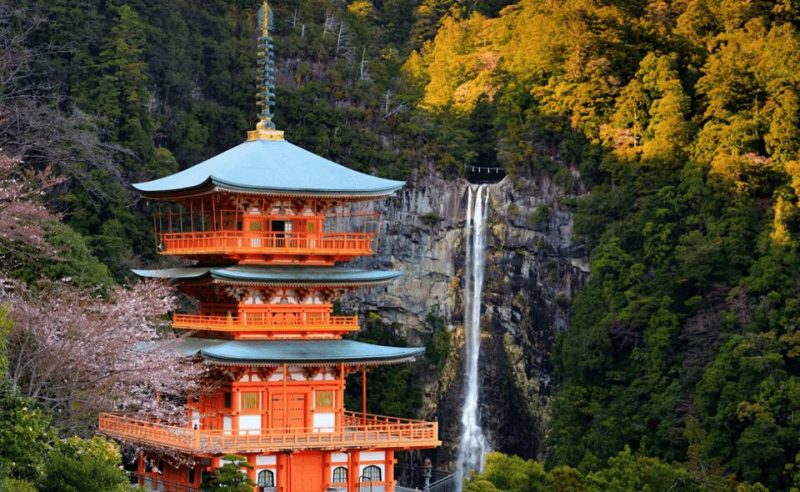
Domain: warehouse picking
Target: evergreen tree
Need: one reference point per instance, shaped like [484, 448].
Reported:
[230, 477]
[119, 92]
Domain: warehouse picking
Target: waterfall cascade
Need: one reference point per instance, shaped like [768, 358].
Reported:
[473, 446]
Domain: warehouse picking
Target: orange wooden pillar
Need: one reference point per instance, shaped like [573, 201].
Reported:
[235, 400]
[353, 471]
[364, 395]
[140, 468]
[389, 470]
[327, 464]
[289, 472]
[340, 402]
[285, 396]
[283, 472]
[251, 472]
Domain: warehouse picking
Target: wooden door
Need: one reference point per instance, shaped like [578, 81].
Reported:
[307, 470]
[256, 227]
[278, 227]
[296, 411]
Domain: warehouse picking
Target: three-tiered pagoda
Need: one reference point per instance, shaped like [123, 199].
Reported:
[259, 222]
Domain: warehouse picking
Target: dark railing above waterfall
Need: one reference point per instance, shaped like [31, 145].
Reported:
[446, 484]
[485, 174]
[412, 477]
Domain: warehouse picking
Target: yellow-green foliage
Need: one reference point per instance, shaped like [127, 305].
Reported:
[574, 59]
[95, 448]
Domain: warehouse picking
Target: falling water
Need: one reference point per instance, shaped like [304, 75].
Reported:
[473, 445]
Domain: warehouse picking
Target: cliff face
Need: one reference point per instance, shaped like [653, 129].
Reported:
[533, 271]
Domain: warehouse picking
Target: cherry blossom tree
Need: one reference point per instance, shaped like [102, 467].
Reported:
[22, 214]
[78, 354]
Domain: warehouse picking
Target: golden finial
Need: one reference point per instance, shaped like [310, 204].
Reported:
[265, 128]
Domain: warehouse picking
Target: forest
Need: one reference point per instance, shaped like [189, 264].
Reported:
[675, 122]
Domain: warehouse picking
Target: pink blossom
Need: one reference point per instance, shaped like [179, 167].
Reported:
[80, 354]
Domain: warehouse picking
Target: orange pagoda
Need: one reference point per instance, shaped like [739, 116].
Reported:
[263, 223]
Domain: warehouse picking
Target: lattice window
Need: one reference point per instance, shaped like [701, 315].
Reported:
[340, 474]
[266, 478]
[371, 473]
[324, 399]
[250, 400]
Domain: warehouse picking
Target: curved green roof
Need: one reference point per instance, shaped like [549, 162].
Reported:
[302, 352]
[275, 275]
[271, 167]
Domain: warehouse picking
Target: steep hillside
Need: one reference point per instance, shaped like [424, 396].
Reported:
[683, 119]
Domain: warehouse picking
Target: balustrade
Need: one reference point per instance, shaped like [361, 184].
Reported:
[267, 317]
[267, 322]
[249, 242]
[358, 432]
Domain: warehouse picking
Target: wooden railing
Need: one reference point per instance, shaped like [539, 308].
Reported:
[357, 432]
[267, 320]
[151, 481]
[232, 242]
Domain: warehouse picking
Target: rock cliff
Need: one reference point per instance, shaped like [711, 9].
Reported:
[533, 271]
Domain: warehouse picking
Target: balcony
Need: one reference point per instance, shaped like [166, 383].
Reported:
[268, 321]
[358, 432]
[327, 246]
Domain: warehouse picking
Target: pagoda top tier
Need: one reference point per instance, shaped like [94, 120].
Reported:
[270, 167]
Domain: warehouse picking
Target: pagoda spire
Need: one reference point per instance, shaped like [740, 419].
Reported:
[265, 97]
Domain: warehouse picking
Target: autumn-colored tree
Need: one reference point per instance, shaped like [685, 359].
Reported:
[650, 119]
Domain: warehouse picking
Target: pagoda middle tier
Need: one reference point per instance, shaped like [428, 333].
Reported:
[263, 302]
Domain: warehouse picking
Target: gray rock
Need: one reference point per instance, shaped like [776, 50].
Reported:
[534, 270]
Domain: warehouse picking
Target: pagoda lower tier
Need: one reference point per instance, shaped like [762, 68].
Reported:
[300, 471]
[280, 404]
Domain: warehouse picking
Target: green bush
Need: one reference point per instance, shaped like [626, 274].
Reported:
[229, 477]
[26, 437]
[84, 465]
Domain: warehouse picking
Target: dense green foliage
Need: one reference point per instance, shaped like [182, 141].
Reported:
[84, 465]
[72, 259]
[27, 438]
[625, 472]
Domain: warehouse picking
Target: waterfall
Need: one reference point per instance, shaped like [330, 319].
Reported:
[473, 446]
